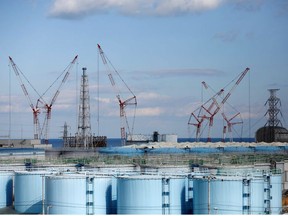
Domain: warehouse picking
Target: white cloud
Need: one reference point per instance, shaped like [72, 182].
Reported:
[80, 8]
[228, 36]
[249, 5]
[150, 111]
[150, 96]
[199, 72]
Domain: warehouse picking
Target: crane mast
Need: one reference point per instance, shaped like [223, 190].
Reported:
[123, 103]
[35, 109]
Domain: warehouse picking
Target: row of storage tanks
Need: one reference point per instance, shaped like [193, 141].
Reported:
[246, 191]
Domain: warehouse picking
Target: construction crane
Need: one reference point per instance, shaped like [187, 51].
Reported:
[35, 108]
[38, 130]
[219, 106]
[48, 106]
[209, 113]
[230, 124]
[228, 121]
[123, 102]
[201, 116]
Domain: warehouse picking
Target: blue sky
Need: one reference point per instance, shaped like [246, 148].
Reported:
[163, 49]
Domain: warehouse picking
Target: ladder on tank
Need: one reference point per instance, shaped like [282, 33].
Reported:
[246, 196]
[165, 196]
[267, 194]
[89, 196]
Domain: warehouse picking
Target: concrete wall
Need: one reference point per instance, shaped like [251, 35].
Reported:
[19, 143]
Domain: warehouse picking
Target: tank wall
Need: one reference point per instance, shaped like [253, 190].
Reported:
[177, 196]
[200, 196]
[139, 196]
[276, 194]
[28, 192]
[103, 195]
[6, 188]
[257, 196]
[226, 196]
[65, 195]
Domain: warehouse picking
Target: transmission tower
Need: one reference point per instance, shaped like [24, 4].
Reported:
[84, 126]
[273, 110]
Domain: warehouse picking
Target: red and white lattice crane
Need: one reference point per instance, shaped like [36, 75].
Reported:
[123, 102]
[48, 106]
[35, 108]
[229, 121]
[38, 130]
[200, 114]
[214, 108]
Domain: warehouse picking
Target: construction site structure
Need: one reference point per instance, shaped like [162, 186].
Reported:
[83, 138]
[273, 130]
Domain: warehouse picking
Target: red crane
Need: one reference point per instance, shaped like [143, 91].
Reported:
[202, 110]
[48, 106]
[219, 106]
[35, 109]
[228, 121]
[209, 113]
[123, 102]
[230, 124]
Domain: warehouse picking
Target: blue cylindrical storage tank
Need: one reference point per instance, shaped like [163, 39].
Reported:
[28, 187]
[102, 190]
[148, 194]
[257, 195]
[65, 194]
[228, 195]
[78, 194]
[6, 188]
[200, 195]
[276, 194]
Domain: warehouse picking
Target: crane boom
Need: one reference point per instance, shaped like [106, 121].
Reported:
[48, 107]
[231, 90]
[35, 109]
[122, 101]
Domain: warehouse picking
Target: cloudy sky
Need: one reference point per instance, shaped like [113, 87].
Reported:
[163, 50]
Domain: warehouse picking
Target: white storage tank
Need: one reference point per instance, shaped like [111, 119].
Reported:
[6, 188]
[28, 190]
[78, 194]
[149, 194]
